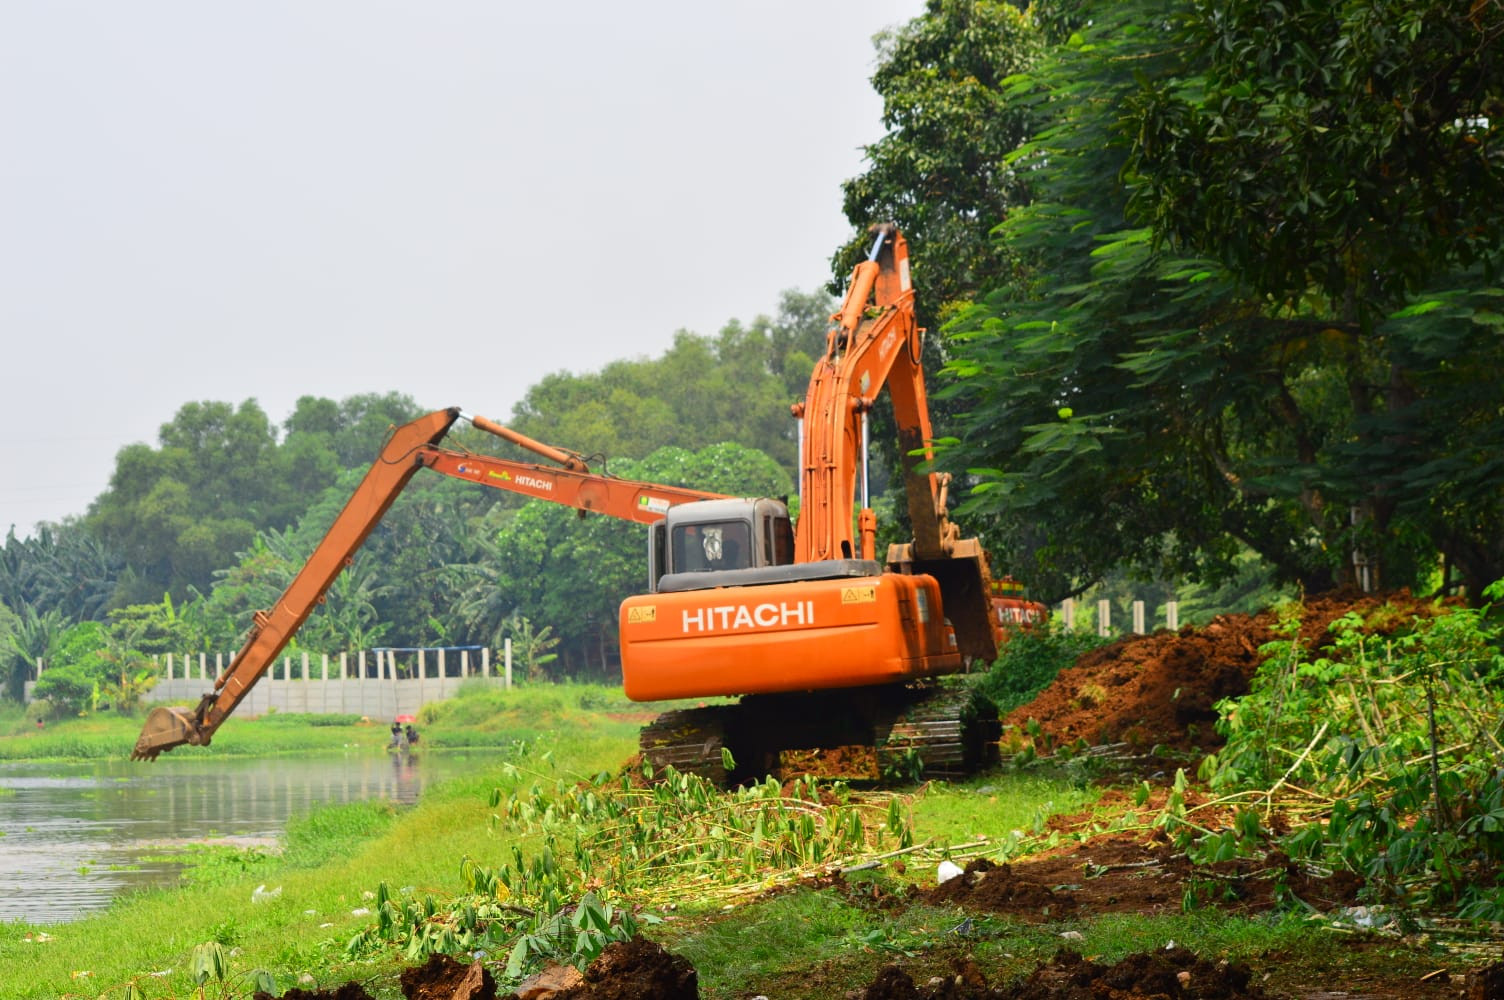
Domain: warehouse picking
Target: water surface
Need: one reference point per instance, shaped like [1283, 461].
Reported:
[75, 835]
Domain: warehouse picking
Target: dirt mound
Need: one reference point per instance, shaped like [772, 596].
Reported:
[638, 969]
[350, 991]
[1174, 974]
[1116, 873]
[1162, 689]
[442, 978]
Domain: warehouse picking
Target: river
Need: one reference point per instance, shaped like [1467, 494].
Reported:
[73, 836]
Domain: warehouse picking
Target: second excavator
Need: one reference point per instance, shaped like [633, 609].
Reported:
[824, 645]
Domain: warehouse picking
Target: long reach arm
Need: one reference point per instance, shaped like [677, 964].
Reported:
[411, 447]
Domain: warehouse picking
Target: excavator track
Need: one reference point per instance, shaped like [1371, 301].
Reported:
[949, 732]
[930, 731]
[689, 740]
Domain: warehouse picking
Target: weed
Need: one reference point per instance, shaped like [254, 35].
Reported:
[1030, 660]
[1394, 727]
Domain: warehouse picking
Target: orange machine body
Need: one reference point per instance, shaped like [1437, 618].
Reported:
[805, 635]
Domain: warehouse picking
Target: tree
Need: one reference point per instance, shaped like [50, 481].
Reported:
[1153, 388]
[181, 511]
[532, 647]
[347, 618]
[735, 386]
[941, 171]
[62, 567]
[151, 628]
[353, 428]
[32, 640]
[78, 671]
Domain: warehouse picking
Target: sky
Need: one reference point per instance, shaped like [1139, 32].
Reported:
[232, 201]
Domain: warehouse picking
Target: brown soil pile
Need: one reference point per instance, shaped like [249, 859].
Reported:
[1174, 974]
[350, 991]
[1121, 874]
[638, 969]
[1162, 689]
[442, 978]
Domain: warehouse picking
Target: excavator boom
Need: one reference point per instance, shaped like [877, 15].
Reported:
[272, 629]
[410, 448]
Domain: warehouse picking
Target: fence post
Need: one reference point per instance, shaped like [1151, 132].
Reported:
[1104, 617]
[1138, 617]
[1172, 616]
[203, 666]
[1068, 613]
[485, 662]
[507, 652]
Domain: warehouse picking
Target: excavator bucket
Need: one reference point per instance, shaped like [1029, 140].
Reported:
[165, 728]
[965, 593]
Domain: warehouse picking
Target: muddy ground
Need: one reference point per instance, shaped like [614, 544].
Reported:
[1156, 694]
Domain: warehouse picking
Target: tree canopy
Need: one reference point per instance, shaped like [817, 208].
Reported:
[1236, 311]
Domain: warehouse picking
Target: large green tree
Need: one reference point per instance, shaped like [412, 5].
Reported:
[735, 386]
[179, 511]
[1200, 352]
[941, 170]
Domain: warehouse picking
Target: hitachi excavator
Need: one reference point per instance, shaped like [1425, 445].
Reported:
[824, 645]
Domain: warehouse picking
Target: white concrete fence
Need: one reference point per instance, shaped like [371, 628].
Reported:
[1104, 616]
[379, 683]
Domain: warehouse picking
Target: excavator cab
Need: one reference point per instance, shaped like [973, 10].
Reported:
[718, 537]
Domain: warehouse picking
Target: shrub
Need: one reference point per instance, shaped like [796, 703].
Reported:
[1030, 659]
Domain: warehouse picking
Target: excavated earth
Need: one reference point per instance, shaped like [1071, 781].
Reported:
[1154, 693]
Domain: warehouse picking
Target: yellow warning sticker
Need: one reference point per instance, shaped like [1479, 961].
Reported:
[642, 615]
[859, 595]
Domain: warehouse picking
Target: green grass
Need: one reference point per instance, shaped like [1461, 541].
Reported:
[331, 860]
[483, 715]
[1001, 807]
[805, 942]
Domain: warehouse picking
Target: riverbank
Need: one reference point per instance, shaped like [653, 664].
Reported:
[354, 873]
[313, 893]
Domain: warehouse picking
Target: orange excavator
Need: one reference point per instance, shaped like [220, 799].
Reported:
[825, 645]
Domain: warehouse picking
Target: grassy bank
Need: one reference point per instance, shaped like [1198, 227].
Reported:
[810, 939]
[332, 858]
[482, 716]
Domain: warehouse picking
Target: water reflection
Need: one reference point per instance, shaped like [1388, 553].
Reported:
[74, 835]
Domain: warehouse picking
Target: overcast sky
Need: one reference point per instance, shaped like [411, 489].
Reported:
[223, 201]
